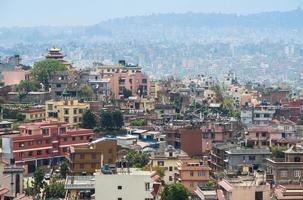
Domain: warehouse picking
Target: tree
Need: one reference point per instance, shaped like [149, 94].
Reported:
[278, 152]
[174, 191]
[42, 70]
[64, 170]
[38, 181]
[137, 159]
[26, 86]
[55, 190]
[86, 92]
[217, 89]
[88, 120]
[107, 120]
[20, 117]
[127, 93]
[138, 122]
[117, 119]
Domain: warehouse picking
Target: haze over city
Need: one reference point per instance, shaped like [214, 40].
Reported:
[81, 12]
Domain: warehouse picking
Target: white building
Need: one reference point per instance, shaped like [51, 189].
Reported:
[129, 184]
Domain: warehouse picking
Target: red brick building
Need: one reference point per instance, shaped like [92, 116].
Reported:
[41, 143]
[191, 141]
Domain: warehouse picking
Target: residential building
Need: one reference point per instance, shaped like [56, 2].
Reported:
[288, 170]
[168, 159]
[63, 84]
[125, 76]
[6, 127]
[263, 114]
[127, 184]
[191, 141]
[14, 77]
[245, 188]
[33, 114]
[218, 155]
[245, 160]
[193, 173]
[282, 192]
[89, 157]
[69, 111]
[11, 180]
[40, 143]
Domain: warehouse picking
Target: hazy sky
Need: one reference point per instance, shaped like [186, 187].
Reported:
[83, 12]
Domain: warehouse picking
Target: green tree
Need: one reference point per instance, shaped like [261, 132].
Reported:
[127, 93]
[38, 181]
[54, 190]
[218, 90]
[174, 191]
[118, 119]
[86, 92]
[278, 152]
[42, 70]
[88, 120]
[137, 159]
[20, 117]
[107, 120]
[63, 170]
[138, 122]
[26, 86]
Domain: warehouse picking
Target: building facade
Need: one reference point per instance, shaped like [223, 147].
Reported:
[68, 111]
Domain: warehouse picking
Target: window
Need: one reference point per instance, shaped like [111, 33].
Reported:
[170, 169]
[30, 143]
[30, 154]
[266, 115]
[191, 173]
[21, 144]
[119, 187]
[81, 137]
[66, 119]
[47, 151]
[283, 173]
[66, 112]
[75, 119]
[119, 198]
[82, 156]
[47, 141]
[21, 154]
[65, 139]
[251, 157]
[297, 173]
[191, 184]
[147, 186]
[39, 142]
[257, 115]
[170, 178]
[160, 163]
[58, 85]
[39, 152]
[263, 134]
[80, 111]
[75, 111]
[170, 154]
[49, 106]
[201, 173]
[297, 159]
[144, 80]
[74, 138]
[64, 149]
[258, 195]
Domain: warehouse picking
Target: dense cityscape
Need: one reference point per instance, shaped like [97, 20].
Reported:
[157, 107]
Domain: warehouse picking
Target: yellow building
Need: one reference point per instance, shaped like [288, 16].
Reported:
[168, 159]
[69, 111]
[33, 114]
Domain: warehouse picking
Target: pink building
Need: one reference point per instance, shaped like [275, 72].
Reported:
[193, 173]
[14, 77]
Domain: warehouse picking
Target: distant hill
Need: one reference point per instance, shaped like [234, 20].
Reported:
[151, 25]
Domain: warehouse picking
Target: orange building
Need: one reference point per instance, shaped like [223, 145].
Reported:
[193, 173]
[89, 158]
